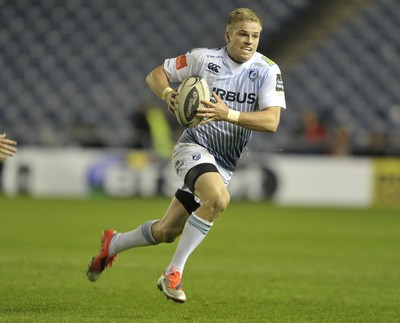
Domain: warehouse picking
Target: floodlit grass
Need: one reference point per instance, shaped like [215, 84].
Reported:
[260, 263]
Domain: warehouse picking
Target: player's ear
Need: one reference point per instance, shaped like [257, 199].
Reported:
[227, 37]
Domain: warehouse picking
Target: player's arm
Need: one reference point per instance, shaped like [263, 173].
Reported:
[266, 120]
[157, 81]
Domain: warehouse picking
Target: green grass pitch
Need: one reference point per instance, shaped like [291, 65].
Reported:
[259, 263]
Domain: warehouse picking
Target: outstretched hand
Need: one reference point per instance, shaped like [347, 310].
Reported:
[7, 147]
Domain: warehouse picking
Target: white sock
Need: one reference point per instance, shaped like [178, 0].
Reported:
[141, 236]
[194, 232]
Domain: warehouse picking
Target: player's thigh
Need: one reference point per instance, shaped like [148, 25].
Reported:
[211, 187]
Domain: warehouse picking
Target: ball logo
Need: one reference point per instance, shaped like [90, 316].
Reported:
[191, 91]
[192, 102]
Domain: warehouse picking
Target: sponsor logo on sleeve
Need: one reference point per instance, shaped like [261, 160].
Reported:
[279, 83]
[181, 62]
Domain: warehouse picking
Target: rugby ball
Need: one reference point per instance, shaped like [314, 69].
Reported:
[190, 92]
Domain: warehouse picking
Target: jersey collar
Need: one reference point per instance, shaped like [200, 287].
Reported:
[236, 68]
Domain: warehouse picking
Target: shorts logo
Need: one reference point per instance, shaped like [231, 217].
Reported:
[178, 166]
[213, 68]
[196, 157]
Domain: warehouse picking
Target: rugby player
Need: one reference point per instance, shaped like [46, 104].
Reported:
[247, 96]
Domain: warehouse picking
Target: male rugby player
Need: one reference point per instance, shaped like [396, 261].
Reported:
[248, 96]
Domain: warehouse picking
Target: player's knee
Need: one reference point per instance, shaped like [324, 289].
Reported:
[218, 202]
[223, 201]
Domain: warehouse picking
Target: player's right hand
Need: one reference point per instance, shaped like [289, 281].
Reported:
[171, 100]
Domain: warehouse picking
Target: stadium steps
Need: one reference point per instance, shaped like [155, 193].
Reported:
[314, 25]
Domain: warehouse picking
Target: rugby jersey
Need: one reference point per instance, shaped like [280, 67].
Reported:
[250, 86]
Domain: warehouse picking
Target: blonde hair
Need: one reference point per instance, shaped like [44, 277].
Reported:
[242, 14]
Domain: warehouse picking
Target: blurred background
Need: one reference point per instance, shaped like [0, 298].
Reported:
[73, 72]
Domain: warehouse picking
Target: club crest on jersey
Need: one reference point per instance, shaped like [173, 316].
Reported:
[213, 68]
[253, 74]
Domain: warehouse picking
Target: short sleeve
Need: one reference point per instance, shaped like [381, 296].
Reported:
[182, 66]
[272, 91]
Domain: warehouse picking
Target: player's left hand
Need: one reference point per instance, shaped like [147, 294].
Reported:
[213, 111]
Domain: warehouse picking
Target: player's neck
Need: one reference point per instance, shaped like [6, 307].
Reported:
[237, 62]
[234, 60]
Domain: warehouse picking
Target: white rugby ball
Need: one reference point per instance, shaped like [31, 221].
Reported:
[190, 92]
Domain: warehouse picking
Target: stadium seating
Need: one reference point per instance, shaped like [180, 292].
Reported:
[75, 63]
[351, 80]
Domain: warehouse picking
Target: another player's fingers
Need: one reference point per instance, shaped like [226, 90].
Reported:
[7, 152]
[8, 141]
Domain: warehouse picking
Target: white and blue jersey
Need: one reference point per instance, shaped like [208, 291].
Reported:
[250, 86]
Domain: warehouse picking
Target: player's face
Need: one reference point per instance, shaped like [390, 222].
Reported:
[243, 41]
